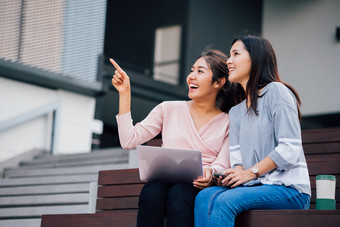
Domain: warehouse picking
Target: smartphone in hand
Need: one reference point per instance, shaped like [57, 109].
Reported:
[218, 175]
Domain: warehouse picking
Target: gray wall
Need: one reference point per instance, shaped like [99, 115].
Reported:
[303, 36]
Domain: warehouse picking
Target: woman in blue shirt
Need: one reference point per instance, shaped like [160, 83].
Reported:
[268, 166]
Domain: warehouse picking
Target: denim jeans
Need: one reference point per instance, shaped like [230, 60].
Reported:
[173, 201]
[219, 206]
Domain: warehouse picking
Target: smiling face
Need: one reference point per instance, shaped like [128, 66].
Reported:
[239, 64]
[200, 81]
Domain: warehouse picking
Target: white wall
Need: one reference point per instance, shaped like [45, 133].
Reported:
[76, 117]
[303, 36]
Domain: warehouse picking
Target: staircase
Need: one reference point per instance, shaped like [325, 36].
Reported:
[54, 185]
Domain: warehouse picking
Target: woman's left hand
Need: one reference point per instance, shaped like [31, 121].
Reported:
[206, 181]
[237, 176]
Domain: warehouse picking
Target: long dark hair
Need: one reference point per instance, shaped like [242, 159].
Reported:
[216, 60]
[263, 69]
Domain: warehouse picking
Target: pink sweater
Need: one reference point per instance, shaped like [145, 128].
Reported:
[174, 120]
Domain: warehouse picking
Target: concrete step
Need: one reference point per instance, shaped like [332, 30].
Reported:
[75, 159]
[44, 200]
[14, 161]
[46, 189]
[32, 222]
[85, 162]
[47, 180]
[63, 184]
[94, 153]
[80, 157]
[19, 172]
[38, 211]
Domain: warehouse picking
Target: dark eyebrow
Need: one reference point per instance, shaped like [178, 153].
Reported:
[234, 51]
[202, 67]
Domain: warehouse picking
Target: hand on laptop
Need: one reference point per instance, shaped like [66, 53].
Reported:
[205, 181]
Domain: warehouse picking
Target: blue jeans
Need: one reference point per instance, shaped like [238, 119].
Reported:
[219, 206]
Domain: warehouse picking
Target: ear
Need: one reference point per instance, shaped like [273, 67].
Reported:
[220, 83]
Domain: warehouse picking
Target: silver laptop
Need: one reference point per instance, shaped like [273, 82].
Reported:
[171, 165]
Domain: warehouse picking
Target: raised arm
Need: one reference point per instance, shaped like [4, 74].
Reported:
[121, 82]
[130, 136]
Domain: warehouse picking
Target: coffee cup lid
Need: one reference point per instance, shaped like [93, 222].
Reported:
[325, 177]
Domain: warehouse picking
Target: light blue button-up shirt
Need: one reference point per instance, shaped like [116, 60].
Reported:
[274, 132]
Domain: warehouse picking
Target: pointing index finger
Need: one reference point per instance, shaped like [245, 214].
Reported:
[115, 64]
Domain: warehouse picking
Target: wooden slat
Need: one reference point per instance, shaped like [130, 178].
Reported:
[120, 190]
[117, 211]
[328, 168]
[117, 203]
[323, 157]
[154, 142]
[312, 206]
[291, 218]
[321, 135]
[126, 176]
[321, 148]
[90, 220]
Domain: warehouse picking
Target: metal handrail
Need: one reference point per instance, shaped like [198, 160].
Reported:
[34, 114]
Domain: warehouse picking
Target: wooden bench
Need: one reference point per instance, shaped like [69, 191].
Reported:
[118, 193]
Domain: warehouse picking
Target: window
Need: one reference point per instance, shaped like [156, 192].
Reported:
[167, 54]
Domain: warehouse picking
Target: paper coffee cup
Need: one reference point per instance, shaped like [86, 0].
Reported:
[325, 192]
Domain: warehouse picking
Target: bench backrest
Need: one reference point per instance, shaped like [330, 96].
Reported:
[118, 190]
